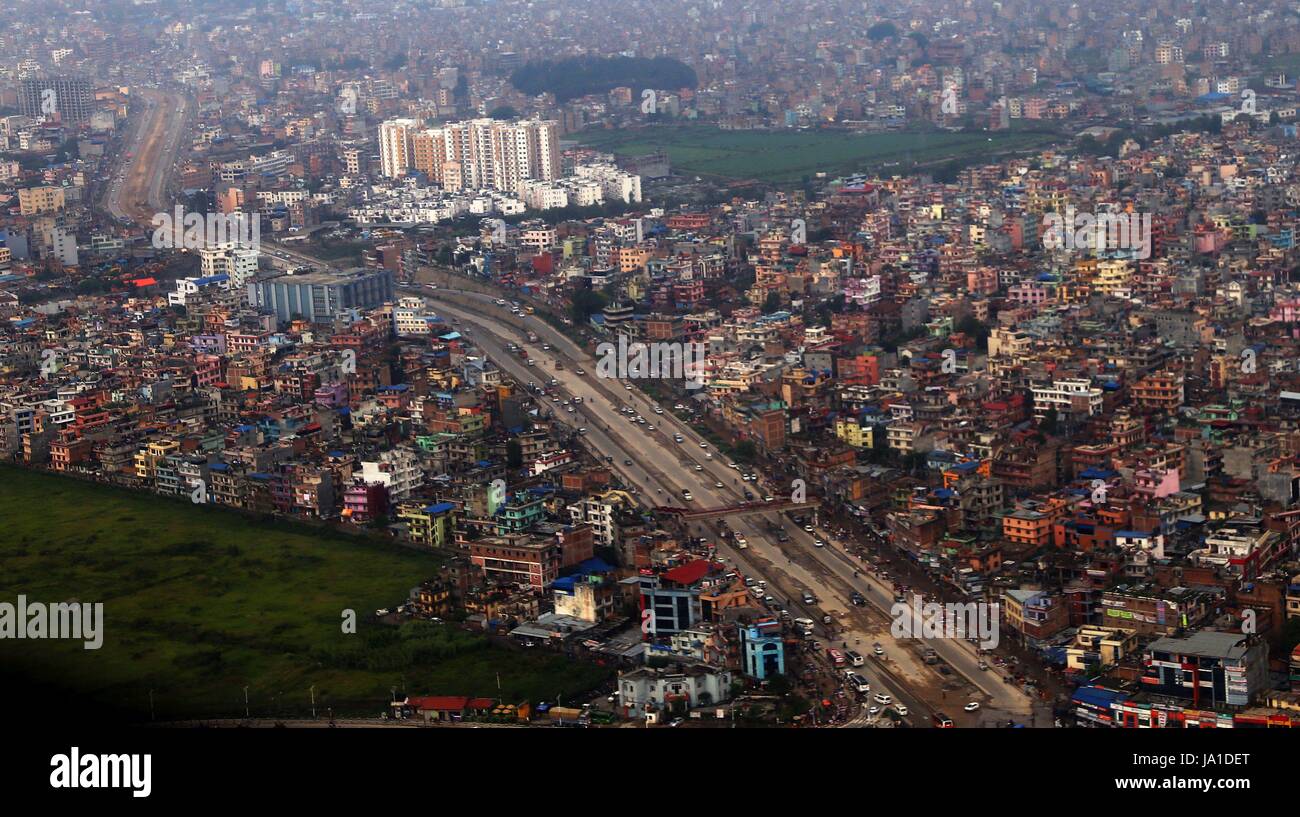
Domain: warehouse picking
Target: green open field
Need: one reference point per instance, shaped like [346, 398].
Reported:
[199, 602]
[786, 156]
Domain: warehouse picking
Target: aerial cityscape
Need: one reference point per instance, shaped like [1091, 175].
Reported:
[618, 364]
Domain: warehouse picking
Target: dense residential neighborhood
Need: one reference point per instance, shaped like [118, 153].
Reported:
[992, 423]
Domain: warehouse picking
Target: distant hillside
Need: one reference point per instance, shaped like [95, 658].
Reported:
[580, 76]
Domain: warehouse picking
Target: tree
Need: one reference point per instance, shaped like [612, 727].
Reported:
[779, 685]
[975, 328]
[1050, 423]
[1290, 635]
[514, 454]
[586, 302]
[772, 302]
[744, 451]
[882, 30]
[503, 112]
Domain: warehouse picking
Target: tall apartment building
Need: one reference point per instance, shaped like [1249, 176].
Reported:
[71, 98]
[395, 157]
[475, 154]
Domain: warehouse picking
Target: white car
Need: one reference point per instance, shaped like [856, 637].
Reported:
[817, 543]
[718, 485]
[971, 707]
[900, 709]
[883, 700]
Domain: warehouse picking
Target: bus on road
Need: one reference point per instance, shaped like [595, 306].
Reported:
[942, 721]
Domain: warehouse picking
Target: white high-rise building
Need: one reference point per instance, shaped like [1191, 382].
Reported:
[395, 153]
[474, 154]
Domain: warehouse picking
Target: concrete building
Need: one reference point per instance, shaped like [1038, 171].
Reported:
[321, 297]
[1211, 668]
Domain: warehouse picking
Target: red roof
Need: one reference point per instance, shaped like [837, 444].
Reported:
[440, 703]
[145, 282]
[689, 573]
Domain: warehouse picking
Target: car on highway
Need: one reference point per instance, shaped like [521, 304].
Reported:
[580, 373]
[718, 485]
[677, 438]
[699, 468]
[627, 462]
[658, 410]
[769, 499]
[808, 528]
[817, 543]
[873, 711]
[858, 599]
[878, 650]
[883, 700]
[704, 445]
[971, 707]
[686, 495]
[809, 598]
[900, 709]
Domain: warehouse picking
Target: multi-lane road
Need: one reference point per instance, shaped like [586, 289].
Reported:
[136, 192]
[660, 468]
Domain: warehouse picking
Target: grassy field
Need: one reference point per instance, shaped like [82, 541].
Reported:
[787, 156]
[199, 602]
